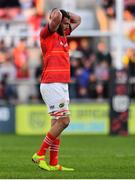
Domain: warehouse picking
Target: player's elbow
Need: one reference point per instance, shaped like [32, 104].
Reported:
[55, 21]
[58, 17]
[79, 20]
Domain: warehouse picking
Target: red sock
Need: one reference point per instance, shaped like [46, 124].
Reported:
[49, 139]
[54, 150]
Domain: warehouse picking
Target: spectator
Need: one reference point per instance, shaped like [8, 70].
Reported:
[130, 6]
[129, 64]
[21, 57]
[20, 54]
[7, 78]
[36, 21]
[23, 90]
[102, 76]
[3, 47]
[75, 65]
[102, 54]
[129, 61]
[128, 15]
[102, 71]
[109, 6]
[32, 8]
[92, 86]
[23, 72]
[99, 91]
[82, 92]
[7, 68]
[9, 9]
[83, 79]
[2, 57]
[85, 48]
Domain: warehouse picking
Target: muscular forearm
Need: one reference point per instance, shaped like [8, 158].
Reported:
[55, 14]
[75, 20]
[55, 21]
[74, 17]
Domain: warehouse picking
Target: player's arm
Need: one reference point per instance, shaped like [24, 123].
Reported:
[75, 20]
[52, 26]
[55, 20]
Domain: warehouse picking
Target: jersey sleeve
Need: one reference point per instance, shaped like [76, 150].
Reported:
[45, 32]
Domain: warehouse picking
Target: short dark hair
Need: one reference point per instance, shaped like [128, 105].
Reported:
[64, 14]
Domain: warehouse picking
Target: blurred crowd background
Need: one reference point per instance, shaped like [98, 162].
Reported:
[92, 56]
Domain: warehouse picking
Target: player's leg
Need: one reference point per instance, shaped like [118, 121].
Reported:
[52, 141]
[57, 122]
[55, 130]
[54, 148]
[53, 133]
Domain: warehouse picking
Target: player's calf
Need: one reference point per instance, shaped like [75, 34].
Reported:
[62, 118]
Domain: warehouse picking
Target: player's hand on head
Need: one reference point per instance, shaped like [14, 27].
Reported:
[55, 19]
[55, 12]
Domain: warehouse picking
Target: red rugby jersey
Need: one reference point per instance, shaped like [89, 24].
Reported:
[55, 56]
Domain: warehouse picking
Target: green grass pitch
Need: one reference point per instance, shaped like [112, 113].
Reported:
[91, 156]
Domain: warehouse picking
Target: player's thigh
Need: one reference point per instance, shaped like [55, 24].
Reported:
[55, 95]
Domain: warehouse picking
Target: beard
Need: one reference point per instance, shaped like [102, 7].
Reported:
[60, 30]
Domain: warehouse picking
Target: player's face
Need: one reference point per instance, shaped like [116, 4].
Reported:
[65, 24]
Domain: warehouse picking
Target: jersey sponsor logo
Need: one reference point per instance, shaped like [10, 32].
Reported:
[61, 105]
[52, 107]
[63, 44]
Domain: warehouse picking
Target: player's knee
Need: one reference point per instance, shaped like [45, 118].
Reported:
[65, 122]
[64, 114]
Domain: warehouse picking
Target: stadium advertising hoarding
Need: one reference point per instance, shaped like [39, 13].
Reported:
[89, 118]
[7, 119]
[131, 120]
[31, 119]
[85, 118]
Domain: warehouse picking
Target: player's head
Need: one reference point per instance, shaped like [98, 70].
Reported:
[65, 22]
